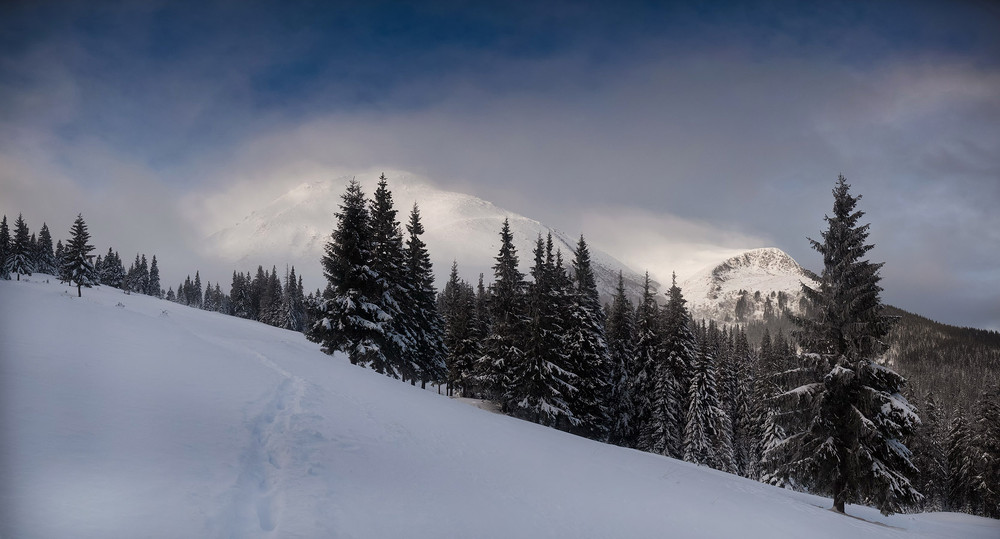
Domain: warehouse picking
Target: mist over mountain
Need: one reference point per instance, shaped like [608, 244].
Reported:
[294, 228]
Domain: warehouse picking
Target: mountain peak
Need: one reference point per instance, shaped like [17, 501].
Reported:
[766, 259]
[763, 274]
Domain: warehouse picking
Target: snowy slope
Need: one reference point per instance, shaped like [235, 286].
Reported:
[712, 292]
[295, 227]
[151, 419]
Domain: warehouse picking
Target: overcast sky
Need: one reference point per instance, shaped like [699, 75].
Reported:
[704, 128]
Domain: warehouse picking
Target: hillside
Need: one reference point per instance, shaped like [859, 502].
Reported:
[128, 416]
[955, 363]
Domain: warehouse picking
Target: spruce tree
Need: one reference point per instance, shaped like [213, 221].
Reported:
[21, 257]
[292, 303]
[961, 465]
[46, 256]
[457, 304]
[4, 248]
[153, 283]
[196, 297]
[850, 419]
[648, 350]
[60, 254]
[503, 345]
[768, 385]
[624, 367]
[239, 295]
[389, 263]
[742, 414]
[930, 457]
[588, 349]
[706, 431]
[76, 264]
[542, 383]
[672, 375]
[350, 317]
[426, 325]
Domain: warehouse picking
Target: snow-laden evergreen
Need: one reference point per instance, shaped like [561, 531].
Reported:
[587, 348]
[389, 265]
[624, 368]
[848, 423]
[45, 256]
[76, 266]
[21, 257]
[961, 464]
[4, 248]
[419, 305]
[649, 349]
[707, 430]
[503, 346]
[462, 334]
[543, 383]
[351, 318]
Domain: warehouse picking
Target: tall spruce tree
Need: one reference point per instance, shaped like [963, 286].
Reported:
[196, 297]
[930, 457]
[4, 248]
[60, 261]
[20, 261]
[462, 333]
[153, 283]
[742, 413]
[649, 423]
[350, 317]
[46, 256]
[768, 385]
[389, 264]
[624, 367]
[850, 419]
[961, 465]
[706, 429]
[673, 374]
[588, 349]
[428, 350]
[543, 382]
[76, 265]
[503, 345]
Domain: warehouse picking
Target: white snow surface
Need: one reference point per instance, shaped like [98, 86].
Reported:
[712, 292]
[150, 419]
[295, 227]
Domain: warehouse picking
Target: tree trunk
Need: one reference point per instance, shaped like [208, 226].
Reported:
[839, 494]
[79, 294]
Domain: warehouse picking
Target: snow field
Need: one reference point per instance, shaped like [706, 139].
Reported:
[153, 419]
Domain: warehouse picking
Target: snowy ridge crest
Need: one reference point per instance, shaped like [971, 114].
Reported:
[767, 279]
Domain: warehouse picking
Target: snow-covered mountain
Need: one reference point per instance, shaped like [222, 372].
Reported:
[130, 416]
[767, 278]
[295, 227]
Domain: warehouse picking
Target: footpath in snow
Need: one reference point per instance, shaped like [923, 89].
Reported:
[128, 416]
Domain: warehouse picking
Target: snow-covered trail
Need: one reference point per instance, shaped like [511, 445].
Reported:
[155, 420]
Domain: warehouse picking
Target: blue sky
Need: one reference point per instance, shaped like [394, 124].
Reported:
[729, 121]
